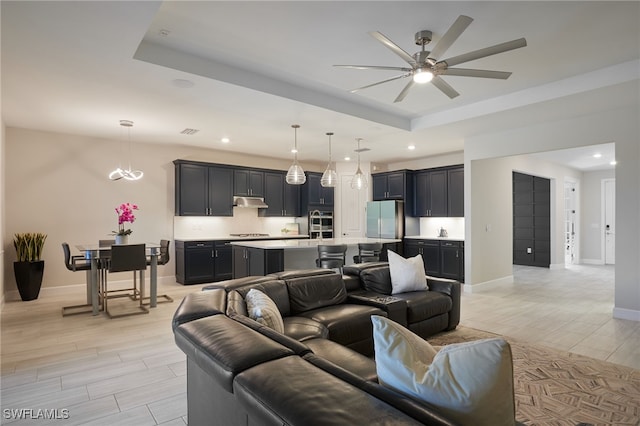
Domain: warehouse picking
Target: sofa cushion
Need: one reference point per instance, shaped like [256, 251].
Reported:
[263, 310]
[298, 273]
[344, 357]
[347, 324]
[275, 289]
[471, 383]
[377, 279]
[422, 305]
[406, 274]
[303, 329]
[313, 292]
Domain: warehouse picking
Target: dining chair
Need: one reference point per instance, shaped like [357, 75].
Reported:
[331, 256]
[130, 257]
[368, 252]
[163, 259]
[75, 264]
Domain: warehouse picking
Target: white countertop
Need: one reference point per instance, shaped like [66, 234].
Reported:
[249, 238]
[427, 237]
[305, 244]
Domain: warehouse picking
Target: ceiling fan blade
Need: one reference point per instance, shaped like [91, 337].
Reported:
[487, 51]
[404, 92]
[444, 87]
[380, 82]
[451, 36]
[393, 47]
[373, 67]
[464, 72]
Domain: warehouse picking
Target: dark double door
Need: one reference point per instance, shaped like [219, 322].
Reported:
[531, 220]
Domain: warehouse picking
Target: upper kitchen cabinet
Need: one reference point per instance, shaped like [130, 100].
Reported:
[314, 196]
[283, 199]
[392, 185]
[455, 191]
[440, 192]
[203, 190]
[431, 193]
[248, 183]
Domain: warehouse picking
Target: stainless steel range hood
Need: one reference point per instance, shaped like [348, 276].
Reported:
[249, 202]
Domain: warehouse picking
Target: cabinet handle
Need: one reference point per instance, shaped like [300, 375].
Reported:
[200, 245]
[457, 254]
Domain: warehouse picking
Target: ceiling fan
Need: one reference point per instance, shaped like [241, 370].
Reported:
[425, 66]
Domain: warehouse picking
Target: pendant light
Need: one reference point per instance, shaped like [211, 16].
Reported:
[121, 173]
[295, 174]
[359, 180]
[329, 177]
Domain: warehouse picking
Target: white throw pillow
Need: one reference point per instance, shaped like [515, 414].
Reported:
[406, 274]
[261, 308]
[470, 383]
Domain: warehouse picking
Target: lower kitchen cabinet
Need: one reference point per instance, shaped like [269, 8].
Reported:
[200, 262]
[249, 261]
[443, 259]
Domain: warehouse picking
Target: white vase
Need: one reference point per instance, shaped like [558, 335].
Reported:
[122, 239]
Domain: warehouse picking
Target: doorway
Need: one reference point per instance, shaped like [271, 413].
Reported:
[609, 220]
[531, 220]
[352, 209]
[570, 222]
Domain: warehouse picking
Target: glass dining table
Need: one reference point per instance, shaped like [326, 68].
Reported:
[96, 252]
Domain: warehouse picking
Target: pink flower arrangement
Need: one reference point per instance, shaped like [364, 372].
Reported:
[125, 214]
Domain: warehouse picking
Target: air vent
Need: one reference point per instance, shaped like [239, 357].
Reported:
[189, 131]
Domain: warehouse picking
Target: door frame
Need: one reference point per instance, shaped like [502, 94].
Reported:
[603, 209]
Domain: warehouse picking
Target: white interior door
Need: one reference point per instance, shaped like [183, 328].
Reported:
[609, 198]
[352, 208]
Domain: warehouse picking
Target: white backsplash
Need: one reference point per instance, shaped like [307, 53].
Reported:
[430, 226]
[244, 220]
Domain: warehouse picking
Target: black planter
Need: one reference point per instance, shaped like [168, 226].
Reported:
[29, 278]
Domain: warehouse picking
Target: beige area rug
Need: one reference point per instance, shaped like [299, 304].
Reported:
[560, 388]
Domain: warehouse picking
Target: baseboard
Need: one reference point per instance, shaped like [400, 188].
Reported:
[592, 261]
[487, 285]
[626, 314]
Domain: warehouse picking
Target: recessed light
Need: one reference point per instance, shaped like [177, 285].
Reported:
[613, 163]
[225, 140]
[597, 155]
[411, 147]
[294, 151]
[347, 158]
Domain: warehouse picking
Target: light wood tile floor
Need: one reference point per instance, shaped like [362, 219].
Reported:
[128, 371]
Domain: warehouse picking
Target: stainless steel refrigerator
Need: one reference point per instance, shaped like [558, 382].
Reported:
[385, 219]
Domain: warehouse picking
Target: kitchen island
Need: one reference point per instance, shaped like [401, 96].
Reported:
[260, 257]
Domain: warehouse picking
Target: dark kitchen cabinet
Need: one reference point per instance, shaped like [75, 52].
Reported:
[314, 196]
[455, 192]
[431, 193]
[391, 185]
[200, 262]
[430, 251]
[452, 260]
[248, 261]
[248, 183]
[283, 199]
[203, 190]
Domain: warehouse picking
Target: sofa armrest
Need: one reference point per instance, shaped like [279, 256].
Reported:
[199, 305]
[451, 288]
[395, 307]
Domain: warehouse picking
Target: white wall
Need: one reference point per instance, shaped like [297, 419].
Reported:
[591, 231]
[2, 210]
[59, 186]
[620, 126]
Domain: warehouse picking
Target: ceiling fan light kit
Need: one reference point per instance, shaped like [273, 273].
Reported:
[425, 67]
[295, 174]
